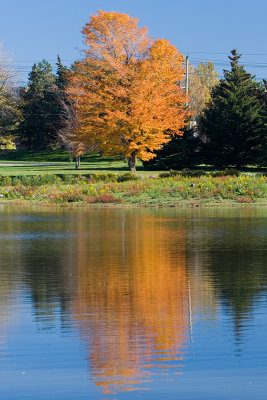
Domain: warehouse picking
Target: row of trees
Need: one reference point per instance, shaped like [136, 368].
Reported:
[126, 97]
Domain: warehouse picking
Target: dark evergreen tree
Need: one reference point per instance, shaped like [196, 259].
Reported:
[62, 75]
[180, 152]
[263, 98]
[64, 106]
[233, 124]
[8, 114]
[40, 108]
[264, 92]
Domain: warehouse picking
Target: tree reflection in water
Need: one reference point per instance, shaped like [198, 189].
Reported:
[134, 305]
[133, 282]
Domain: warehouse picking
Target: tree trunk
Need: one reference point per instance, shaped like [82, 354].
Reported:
[132, 163]
[77, 162]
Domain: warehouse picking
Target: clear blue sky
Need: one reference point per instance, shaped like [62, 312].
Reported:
[32, 30]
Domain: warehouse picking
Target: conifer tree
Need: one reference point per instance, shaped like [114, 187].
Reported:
[64, 106]
[181, 152]
[263, 94]
[61, 75]
[40, 108]
[233, 125]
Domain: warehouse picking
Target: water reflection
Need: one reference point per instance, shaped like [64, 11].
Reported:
[133, 304]
[233, 250]
[133, 284]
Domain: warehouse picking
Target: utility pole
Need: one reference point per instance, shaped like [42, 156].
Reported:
[186, 76]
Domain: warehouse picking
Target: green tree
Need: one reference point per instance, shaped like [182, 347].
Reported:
[232, 125]
[40, 108]
[201, 82]
[263, 98]
[61, 76]
[8, 118]
[180, 152]
[265, 92]
[8, 104]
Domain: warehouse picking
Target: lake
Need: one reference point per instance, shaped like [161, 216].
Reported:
[106, 304]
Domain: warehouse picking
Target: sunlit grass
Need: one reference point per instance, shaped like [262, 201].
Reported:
[147, 191]
[56, 162]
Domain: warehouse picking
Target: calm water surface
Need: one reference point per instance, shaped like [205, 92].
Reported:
[133, 304]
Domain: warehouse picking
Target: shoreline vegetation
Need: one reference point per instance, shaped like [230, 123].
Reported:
[168, 189]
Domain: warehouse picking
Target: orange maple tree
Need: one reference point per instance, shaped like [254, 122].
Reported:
[126, 90]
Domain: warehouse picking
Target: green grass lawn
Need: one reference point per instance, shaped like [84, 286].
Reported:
[60, 163]
[33, 156]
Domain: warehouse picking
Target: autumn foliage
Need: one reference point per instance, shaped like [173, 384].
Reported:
[126, 91]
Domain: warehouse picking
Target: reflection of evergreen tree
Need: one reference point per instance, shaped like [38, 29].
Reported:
[43, 255]
[235, 261]
[240, 279]
[47, 278]
[43, 273]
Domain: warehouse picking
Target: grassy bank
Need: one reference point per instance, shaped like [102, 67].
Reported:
[122, 189]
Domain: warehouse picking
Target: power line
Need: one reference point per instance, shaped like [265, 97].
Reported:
[211, 52]
[33, 61]
[220, 63]
[184, 52]
[225, 62]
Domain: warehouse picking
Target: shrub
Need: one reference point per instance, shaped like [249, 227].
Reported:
[92, 199]
[67, 178]
[16, 181]
[193, 173]
[186, 172]
[108, 177]
[231, 172]
[226, 172]
[244, 199]
[5, 180]
[103, 198]
[128, 176]
[65, 197]
[173, 172]
[35, 180]
[108, 198]
[164, 175]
